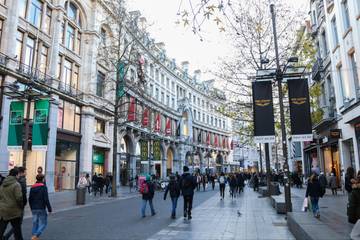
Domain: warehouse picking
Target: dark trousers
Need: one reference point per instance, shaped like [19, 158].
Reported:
[188, 200]
[213, 185]
[11, 231]
[222, 190]
[16, 225]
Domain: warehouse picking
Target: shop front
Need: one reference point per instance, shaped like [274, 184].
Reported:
[67, 161]
[98, 161]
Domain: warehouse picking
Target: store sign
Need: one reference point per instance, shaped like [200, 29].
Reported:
[301, 126]
[40, 128]
[16, 126]
[264, 131]
[157, 150]
[335, 133]
[98, 157]
[144, 150]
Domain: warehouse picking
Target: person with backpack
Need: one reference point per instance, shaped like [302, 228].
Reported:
[222, 182]
[22, 180]
[174, 188]
[204, 181]
[147, 189]
[314, 191]
[11, 204]
[39, 202]
[188, 184]
[232, 184]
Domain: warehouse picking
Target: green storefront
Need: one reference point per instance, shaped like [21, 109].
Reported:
[98, 161]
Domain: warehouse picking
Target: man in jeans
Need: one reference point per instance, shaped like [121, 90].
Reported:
[21, 178]
[147, 190]
[39, 201]
[187, 184]
[11, 204]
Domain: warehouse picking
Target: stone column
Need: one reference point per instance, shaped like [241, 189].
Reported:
[51, 148]
[10, 29]
[4, 153]
[86, 147]
[163, 167]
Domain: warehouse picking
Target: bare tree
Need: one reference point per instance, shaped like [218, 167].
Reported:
[120, 52]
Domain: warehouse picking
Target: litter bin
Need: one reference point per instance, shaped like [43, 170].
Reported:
[80, 196]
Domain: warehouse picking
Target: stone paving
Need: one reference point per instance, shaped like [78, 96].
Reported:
[216, 219]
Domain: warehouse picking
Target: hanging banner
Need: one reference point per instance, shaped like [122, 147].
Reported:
[145, 119]
[40, 129]
[16, 126]
[199, 137]
[168, 126]
[157, 150]
[264, 131]
[208, 138]
[144, 150]
[121, 79]
[232, 145]
[301, 127]
[157, 123]
[224, 142]
[132, 110]
[216, 141]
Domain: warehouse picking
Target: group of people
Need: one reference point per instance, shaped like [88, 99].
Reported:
[178, 185]
[96, 184]
[13, 199]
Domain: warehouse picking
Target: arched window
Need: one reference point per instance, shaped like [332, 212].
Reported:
[71, 27]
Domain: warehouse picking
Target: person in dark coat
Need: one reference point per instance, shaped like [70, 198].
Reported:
[323, 183]
[349, 176]
[39, 201]
[22, 180]
[256, 182]
[94, 182]
[174, 188]
[147, 189]
[232, 184]
[314, 191]
[187, 184]
[353, 210]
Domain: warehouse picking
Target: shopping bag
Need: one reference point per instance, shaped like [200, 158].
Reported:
[309, 205]
[305, 205]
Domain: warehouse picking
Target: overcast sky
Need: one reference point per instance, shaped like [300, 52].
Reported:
[181, 43]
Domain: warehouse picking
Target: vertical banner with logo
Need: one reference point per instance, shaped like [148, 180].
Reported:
[40, 127]
[264, 131]
[132, 110]
[301, 127]
[168, 127]
[145, 119]
[157, 150]
[144, 150]
[157, 126]
[121, 79]
[16, 125]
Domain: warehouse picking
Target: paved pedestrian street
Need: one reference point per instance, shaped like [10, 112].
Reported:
[246, 217]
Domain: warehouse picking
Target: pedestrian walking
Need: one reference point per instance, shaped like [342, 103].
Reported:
[323, 183]
[94, 184]
[204, 181]
[100, 184]
[82, 183]
[187, 184]
[174, 188]
[349, 176]
[232, 185]
[88, 183]
[222, 182]
[255, 182]
[147, 189]
[333, 184]
[107, 183]
[353, 210]
[212, 180]
[198, 182]
[39, 202]
[314, 191]
[22, 180]
[11, 204]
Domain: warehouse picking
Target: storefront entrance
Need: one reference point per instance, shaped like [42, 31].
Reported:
[66, 165]
[98, 161]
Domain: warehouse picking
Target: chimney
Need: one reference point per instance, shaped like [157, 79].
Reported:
[185, 66]
[197, 75]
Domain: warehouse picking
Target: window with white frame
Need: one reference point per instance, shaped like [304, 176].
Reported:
[71, 27]
[344, 84]
[334, 32]
[345, 10]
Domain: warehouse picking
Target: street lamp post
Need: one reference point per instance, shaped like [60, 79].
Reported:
[279, 78]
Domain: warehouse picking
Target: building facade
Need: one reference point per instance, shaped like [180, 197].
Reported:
[336, 30]
[50, 65]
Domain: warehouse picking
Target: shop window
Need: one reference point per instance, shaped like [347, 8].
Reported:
[100, 84]
[47, 21]
[69, 116]
[44, 59]
[30, 52]
[99, 126]
[36, 8]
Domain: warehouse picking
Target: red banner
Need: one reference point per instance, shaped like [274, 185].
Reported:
[145, 119]
[224, 142]
[232, 145]
[208, 139]
[168, 126]
[157, 123]
[132, 110]
[216, 141]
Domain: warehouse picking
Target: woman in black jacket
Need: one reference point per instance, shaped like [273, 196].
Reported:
[350, 174]
[314, 191]
[174, 188]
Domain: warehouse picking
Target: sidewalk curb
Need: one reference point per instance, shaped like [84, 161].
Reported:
[89, 205]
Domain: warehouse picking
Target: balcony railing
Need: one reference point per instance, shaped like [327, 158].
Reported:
[316, 70]
[39, 77]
